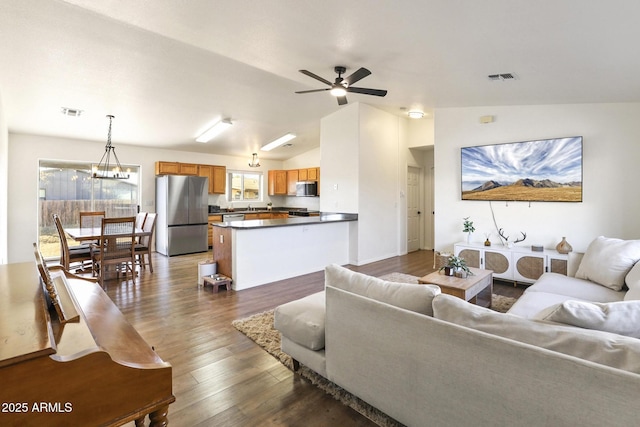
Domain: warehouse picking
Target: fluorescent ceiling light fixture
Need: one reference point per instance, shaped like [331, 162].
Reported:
[214, 131]
[414, 114]
[278, 142]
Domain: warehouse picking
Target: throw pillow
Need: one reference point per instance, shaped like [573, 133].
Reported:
[412, 297]
[605, 348]
[633, 283]
[607, 261]
[621, 317]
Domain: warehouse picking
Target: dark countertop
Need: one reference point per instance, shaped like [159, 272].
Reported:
[323, 218]
[259, 210]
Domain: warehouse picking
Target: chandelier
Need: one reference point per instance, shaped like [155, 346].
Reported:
[106, 169]
[254, 163]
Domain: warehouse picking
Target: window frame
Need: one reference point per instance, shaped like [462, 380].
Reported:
[244, 174]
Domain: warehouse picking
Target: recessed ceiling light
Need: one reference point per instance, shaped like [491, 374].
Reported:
[71, 112]
[278, 142]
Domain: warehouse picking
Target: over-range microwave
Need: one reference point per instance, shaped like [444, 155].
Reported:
[307, 188]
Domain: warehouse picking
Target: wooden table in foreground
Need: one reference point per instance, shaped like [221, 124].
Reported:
[467, 289]
[94, 370]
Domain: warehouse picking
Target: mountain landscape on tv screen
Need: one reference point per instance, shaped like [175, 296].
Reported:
[526, 190]
[538, 170]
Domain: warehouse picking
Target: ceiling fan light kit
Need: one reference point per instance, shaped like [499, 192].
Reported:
[214, 130]
[342, 85]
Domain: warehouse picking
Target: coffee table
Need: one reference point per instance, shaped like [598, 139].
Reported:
[467, 289]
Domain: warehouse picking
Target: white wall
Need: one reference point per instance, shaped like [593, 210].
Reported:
[4, 184]
[364, 159]
[339, 165]
[25, 151]
[610, 177]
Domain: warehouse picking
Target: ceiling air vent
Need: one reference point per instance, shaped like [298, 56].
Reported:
[504, 76]
[73, 112]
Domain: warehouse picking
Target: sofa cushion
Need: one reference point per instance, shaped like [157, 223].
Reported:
[302, 321]
[600, 347]
[529, 305]
[633, 283]
[555, 283]
[412, 297]
[607, 261]
[621, 317]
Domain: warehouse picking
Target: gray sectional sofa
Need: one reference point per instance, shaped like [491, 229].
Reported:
[425, 358]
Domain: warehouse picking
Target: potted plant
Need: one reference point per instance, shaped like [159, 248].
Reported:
[456, 266]
[467, 227]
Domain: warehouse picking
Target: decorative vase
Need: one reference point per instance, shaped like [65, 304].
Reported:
[487, 242]
[564, 247]
[468, 237]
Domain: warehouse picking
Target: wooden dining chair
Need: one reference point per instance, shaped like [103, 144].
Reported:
[140, 218]
[115, 248]
[70, 256]
[143, 248]
[91, 219]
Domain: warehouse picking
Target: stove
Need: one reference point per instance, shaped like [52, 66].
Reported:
[299, 213]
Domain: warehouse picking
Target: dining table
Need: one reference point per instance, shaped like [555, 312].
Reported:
[94, 233]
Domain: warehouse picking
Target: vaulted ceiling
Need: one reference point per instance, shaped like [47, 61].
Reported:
[167, 69]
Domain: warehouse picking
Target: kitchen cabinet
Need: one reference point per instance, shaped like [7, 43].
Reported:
[518, 264]
[217, 177]
[277, 182]
[219, 180]
[308, 174]
[258, 215]
[313, 174]
[292, 180]
[283, 182]
[175, 168]
[213, 218]
[279, 215]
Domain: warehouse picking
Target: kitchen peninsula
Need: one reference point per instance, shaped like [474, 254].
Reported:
[256, 252]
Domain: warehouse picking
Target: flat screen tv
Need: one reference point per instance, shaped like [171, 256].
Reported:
[547, 170]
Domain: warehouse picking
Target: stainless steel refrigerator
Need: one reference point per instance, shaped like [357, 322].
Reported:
[182, 208]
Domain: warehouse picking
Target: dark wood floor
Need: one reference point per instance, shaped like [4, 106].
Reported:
[220, 377]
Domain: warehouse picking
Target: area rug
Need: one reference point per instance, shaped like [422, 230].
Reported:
[259, 328]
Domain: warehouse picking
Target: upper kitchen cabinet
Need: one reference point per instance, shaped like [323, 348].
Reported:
[292, 179]
[219, 180]
[175, 168]
[277, 183]
[217, 177]
[217, 174]
[309, 174]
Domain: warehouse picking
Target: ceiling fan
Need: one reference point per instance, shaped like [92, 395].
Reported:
[342, 85]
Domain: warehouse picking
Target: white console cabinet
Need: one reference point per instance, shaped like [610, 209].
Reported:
[518, 264]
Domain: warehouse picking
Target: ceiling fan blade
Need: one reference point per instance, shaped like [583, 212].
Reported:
[357, 75]
[313, 90]
[342, 100]
[314, 76]
[365, 91]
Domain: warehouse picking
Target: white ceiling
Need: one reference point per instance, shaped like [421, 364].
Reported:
[167, 69]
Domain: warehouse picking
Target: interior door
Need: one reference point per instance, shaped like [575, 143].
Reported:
[413, 209]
